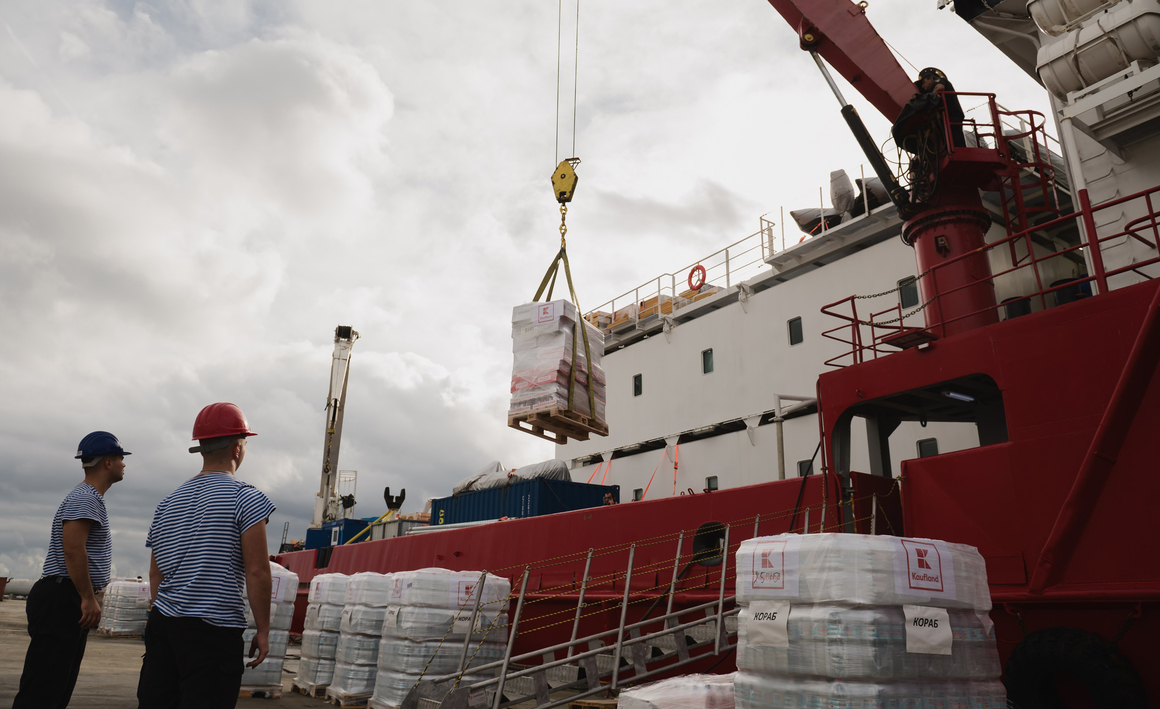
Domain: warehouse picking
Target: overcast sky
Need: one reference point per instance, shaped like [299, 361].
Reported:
[193, 194]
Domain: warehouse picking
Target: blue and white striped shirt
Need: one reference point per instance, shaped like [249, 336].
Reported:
[196, 537]
[84, 502]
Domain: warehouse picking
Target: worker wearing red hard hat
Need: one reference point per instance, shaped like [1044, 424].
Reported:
[64, 604]
[208, 541]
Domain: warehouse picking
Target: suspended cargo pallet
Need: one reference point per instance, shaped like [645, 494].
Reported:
[557, 425]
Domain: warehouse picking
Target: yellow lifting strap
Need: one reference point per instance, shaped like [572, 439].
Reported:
[564, 181]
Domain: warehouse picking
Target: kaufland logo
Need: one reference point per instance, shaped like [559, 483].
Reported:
[769, 566]
[465, 591]
[923, 566]
[546, 312]
[397, 589]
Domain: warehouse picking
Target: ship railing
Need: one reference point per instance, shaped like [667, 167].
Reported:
[866, 336]
[668, 293]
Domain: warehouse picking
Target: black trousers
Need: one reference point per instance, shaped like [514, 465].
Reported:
[190, 664]
[58, 642]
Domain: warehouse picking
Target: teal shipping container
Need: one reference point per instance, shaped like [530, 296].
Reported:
[527, 498]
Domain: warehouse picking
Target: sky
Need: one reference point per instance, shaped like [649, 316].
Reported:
[194, 193]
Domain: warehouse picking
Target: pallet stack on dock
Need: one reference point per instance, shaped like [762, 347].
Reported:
[427, 625]
[360, 628]
[544, 339]
[324, 608]
[124, 609]
[265, 680]
[854, 620]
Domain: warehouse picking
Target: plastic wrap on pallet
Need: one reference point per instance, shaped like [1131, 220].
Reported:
[434, 657]
[755, 691]
[685, 692]
[392, 687]
[368, 588]
[863, 570]
[419, 623]
[283, 584]
[866, 642]
[323, 616]
[124, 608]
[328, 588]
[367, 620]
[441, 588]
[314, 671]
[543, 346]
[279, 640]
[319, 644]
[351, 679]
[281, 615]
[356, 649]
[267, 673]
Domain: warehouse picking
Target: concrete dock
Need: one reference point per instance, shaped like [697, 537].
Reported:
[108, 678]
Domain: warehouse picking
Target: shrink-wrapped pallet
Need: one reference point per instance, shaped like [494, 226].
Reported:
[862, 570]
[323, 616]
[423, 623]
[319, 644]
[328, 588]
[434, 657]
[864, 621]
[283, 590]
[351, 680]
[830, 640]
[544, 339]
[367, 620]
[685, 692]
[368, 589]
[357, 649]
[314, 672]
[755, 691]
[391, 688]
[124, 608]
[452, 590]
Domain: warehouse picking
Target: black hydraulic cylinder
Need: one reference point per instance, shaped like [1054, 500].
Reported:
[898, 194]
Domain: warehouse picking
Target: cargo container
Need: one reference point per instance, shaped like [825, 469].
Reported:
[527, 498]
[335, 533]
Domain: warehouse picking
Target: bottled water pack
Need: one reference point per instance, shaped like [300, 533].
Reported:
[314, 671]
[686, 692]
[362, 619]
[323, 616]
[391, 688]
[352, 679]
[319, 644]
[368, 589]
[441, 588]
[279, 640]
[433, 658]
[755, 691]
[328, 588]
[281, 615]
[831, 640]
[267, 673]
[356, 649]
[420, 623]
[862, 570]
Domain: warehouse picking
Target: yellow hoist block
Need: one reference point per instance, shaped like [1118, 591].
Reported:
[564, 181]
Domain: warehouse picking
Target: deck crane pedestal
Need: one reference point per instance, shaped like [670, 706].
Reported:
[328, 504]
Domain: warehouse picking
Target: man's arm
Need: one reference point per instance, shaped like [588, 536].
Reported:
[75, 533]
[155, 579]
[256, 558]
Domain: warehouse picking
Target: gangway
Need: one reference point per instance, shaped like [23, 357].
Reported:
[608, 660]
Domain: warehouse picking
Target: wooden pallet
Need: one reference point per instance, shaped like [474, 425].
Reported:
[120, 634]
[558, 425]
[593, 704]
[349, 701]
[310, 690]
[268, 691]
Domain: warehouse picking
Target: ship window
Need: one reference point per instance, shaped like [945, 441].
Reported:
[637, 494]
[795, 331]
[805, 467]
[707, 361]
[711, 482]
[927, 447]
[908, 292]
[637, 385]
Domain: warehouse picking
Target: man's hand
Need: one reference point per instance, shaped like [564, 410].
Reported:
[260, 645]
[90, 613]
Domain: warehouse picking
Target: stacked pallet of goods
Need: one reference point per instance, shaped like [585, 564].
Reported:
[124, 609]
[684, 692]
[428, 623]
[360, 628]
[544, 338]
[320, 633]
[266, 678]
[864, 621]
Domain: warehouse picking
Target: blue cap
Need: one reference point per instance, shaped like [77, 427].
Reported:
[100, 443]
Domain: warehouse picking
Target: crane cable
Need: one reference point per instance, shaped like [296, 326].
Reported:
[575, 74]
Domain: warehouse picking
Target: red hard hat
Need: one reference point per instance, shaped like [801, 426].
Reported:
[221, 419]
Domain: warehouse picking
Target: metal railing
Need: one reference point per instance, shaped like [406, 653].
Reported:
[865, 337]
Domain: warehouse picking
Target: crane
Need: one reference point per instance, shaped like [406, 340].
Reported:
[328, 502]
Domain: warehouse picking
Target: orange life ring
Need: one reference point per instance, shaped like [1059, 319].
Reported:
[697, 284]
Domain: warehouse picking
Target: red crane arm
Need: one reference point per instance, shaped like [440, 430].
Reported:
[839, 31]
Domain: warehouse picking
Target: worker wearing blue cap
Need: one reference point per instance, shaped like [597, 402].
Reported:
[63, 606]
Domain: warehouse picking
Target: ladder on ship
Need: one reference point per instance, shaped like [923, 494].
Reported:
[605, 661]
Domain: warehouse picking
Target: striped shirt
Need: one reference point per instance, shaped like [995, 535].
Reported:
[84, 502]
[196, 537]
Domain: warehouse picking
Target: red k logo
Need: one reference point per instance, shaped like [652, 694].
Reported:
[766, 562]
[922, 562]
[769, 566]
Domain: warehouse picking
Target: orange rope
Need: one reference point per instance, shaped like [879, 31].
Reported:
[594, 473]
[646, 487]
[676, 457]
[606, 469]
